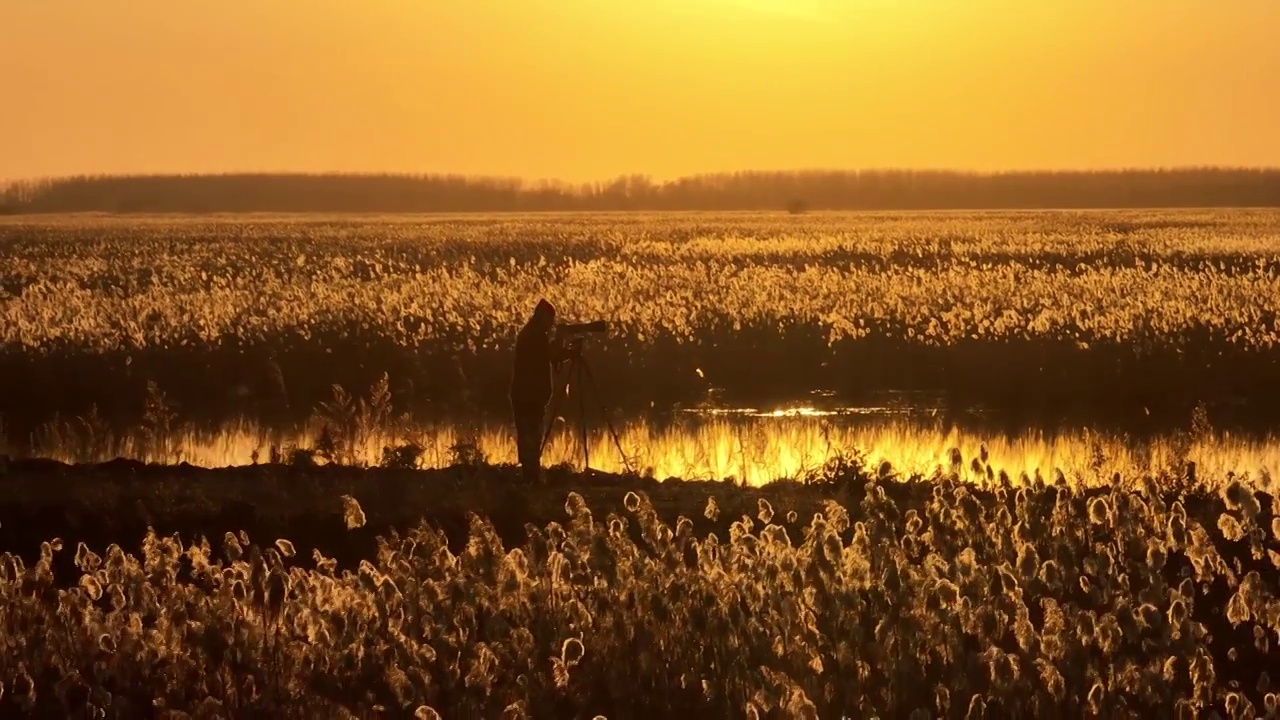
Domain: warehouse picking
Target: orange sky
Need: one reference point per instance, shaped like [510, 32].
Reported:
[588, 89]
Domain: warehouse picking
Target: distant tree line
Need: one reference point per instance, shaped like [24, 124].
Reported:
[755, 190]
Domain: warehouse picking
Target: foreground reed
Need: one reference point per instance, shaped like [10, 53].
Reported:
[1040, 601]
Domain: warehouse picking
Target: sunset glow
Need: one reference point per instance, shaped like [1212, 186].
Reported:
[586, 90]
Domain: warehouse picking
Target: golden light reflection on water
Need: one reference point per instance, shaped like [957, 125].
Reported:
[756, 447]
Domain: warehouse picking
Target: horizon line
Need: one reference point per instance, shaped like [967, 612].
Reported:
[1132, 169]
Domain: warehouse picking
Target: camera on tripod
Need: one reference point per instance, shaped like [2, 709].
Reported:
[580, 330]
[578, 373]
[571, 335]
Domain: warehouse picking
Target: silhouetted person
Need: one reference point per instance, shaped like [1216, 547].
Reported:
[531, 386]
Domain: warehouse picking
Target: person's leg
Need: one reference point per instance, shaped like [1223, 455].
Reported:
[529, 442]
[522, 435]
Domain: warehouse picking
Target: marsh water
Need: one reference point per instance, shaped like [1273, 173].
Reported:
[912, 432]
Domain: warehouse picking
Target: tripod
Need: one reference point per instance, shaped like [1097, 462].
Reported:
[577, 370]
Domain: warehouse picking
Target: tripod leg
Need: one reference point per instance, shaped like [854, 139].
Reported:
[617, 441]
[582, 417]
[550, 420]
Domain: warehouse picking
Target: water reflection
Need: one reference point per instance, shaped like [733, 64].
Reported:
[830, 404]
[798, 412]
[752, 444]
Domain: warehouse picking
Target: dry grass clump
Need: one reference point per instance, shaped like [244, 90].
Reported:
[1032, 602]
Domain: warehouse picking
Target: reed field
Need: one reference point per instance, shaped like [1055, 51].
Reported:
[851, 594]
[1099, 315]
[259, 466]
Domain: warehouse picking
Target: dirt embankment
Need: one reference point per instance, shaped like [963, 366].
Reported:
[117, 501]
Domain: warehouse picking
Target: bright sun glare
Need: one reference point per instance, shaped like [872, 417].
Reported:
[791, 8]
